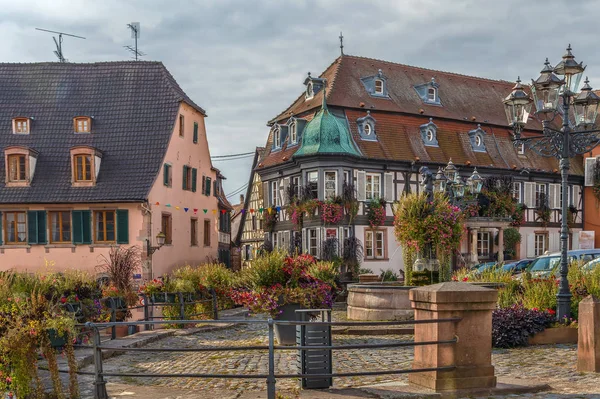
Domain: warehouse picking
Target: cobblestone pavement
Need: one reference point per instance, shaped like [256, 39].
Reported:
[552, 364]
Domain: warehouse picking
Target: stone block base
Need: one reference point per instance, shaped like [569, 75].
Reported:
[455, 380]
[557, 335]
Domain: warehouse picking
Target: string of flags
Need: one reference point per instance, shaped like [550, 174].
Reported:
[215, 211]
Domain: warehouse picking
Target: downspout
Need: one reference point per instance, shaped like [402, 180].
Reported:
[146, 211]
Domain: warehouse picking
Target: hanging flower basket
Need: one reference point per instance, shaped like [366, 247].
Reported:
[376, 213]
[331, 212]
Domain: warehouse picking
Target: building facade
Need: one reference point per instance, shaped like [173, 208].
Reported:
[372, 124]
[224, 222]
[98, 155]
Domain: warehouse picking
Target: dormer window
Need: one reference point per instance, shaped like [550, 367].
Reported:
[20, 165]
[476, 138]
[85, 166]
[378, 86]
[21, 126]
[310, 93]
[429, 133]
[366, 127]
[429, 92]
[313, 86]
[293, 133]
[521, 148]
[82, 124]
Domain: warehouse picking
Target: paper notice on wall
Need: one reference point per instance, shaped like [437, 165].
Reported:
[586, 240]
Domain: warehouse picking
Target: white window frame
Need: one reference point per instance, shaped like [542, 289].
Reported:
[367, 129]
[432, 90]
[21, 129]
[277, 138]
[310, 248]
[521, 149]
[540, 244]
[517, 191]
[328, 193]
[296, 183]
[293, 133]
[275, 240]
[430, 135]
[310, 91]
[274, 192]
[370, 185]
[309, 180]
[374, 244]
[483, 244]
[380, 91]
[540, 188]
[478, 140]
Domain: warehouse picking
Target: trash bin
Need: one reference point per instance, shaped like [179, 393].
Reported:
[317, 361]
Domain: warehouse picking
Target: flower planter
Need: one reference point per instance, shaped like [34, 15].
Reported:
[56, 341]
[555, 335]
[164, 298]
[286, 334]
[119, 302]
[122, 331]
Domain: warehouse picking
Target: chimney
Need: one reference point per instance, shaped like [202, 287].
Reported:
[241, 198]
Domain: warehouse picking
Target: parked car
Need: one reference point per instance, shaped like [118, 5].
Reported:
[518, 266]
[548, 265]
[483, 266]
[591, 265]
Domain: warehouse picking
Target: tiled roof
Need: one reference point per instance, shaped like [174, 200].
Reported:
[133, 105]
[466, 102]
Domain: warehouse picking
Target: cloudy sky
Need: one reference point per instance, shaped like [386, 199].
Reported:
[244, 61]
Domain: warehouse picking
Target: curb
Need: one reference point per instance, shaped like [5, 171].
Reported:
[374, 331]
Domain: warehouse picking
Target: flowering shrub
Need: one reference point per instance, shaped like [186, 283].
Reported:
[152, 287]
[514, 325]
[376, 212]
[270, 219]
[331, 212]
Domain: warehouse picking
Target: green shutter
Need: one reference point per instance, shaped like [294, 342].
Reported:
[194, 176]
[215, 188]
[122, 226]
[41, 233]
[185, 168]
[36, 227]
[195, 132]
[166, 175]
[82, 227]
[208, 180]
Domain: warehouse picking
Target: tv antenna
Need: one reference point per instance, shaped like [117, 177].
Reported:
[58, 52]
[135, 34]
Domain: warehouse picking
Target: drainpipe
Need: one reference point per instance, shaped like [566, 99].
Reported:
[147, 212]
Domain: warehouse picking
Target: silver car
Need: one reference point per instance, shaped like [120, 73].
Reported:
[548, 265]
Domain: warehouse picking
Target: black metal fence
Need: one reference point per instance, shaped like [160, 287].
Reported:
[100, 375]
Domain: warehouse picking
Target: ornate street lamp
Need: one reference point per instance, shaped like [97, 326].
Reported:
[458, 187]
[475, 182]
[450, 171]
[160, 240]
[517, 106]
[440, 181]
[571, 140]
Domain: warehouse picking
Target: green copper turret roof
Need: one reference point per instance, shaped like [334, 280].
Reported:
[326, 134]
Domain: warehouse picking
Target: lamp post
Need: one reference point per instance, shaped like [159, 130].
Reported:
[448, 181]
[576, 136]
[160, 240]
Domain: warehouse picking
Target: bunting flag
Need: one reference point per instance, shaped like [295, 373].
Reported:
[168, 205]
[243, 211]
[186, 209]
[157, 203]
[278, 209]
[214, 211]
[270, 210]
[177, 207]
[205, 210]
[223, 211]
[251, 210]
[261, 210]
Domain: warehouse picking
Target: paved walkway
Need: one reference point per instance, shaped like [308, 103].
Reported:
[554, 365]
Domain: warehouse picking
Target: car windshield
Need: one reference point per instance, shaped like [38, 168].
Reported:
[509, 266]
[544, 264]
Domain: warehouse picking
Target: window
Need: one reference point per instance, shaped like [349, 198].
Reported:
[277, 138]
[104, 226]
[521, 149]
[195, 138]
[60, 227]
[312, 242]
[193, 232]
[207, 233]
[309, 91]
[432, 94]
[275, 240]
[189, 179]
[483, 244]
[293, 133]
[181, 125]
[374, 244]
[166, 227]
[540, 195]
[83, 168]
[21, 125]
[516, 192]
[296, 183]
[330, 184]
[368, 129]
[478, 141]
[17, 168]
[82, 125]
[378, 86]
[373, 185]
[313, 183]
[430, 135]
[253, 222]
[541, 244]
[15, 228]
[274, 196]
[168, 175]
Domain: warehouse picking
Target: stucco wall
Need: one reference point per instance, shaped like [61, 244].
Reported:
[58, 257]
[182, 151]
[393, 252]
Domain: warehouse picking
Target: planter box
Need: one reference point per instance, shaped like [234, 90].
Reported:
[556, 335]
[56, 341]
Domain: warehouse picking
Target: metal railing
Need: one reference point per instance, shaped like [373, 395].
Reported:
[99, 374]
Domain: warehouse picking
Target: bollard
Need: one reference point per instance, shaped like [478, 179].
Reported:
[99, 383]
[588, 340]
[215, 304]
[271, 377]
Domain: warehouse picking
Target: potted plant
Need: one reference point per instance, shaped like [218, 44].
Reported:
[331, 212]
[376, 212]
[153, 290]
[279, 285]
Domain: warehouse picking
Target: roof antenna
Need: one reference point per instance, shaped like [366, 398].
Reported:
[135, 34]
[341, 43]
[58, 52]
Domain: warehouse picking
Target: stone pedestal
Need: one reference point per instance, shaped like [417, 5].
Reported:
[368, 278]
[588, 343]
[472, 354]
[500, 245]
[474, 255]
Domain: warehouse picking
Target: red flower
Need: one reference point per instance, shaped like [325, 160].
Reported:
[465, 279]
[551, 311]
[63, 300]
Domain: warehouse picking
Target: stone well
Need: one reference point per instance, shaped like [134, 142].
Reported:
[379, 301]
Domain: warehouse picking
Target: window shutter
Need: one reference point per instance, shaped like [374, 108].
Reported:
[388, 187]
[554, 196]
[82, 228]
[166, 175]
[195, 132]
[41, 219]
[77, 231]
[122, 226]
[530, 245]
[304, 245]
[287, 239]
[194, 177]
[185, 168]
[554, 244]
[529, 194]
[590, 163]
[576, 197]
[208, 180]
[215, 188]
[284, 196]
[265, 197]
[361, 185]
[32, 227]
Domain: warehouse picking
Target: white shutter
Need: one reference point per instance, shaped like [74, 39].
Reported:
[318, 242]
[388, 186]
[529, 194]
[554, 244]
[284, 196]
[554, 196]
[286, 241]
[590, 163]
[575, 240]
[530, 245]
[576, 196]
[304, 245]
[361, 185]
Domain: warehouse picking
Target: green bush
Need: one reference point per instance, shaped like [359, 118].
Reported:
[266, 271]
[325, 271]
[388, 275]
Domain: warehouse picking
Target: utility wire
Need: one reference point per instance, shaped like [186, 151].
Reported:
[238, 190]
[233, 155]
[230, 159]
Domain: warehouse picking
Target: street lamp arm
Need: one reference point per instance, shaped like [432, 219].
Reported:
[551, 143]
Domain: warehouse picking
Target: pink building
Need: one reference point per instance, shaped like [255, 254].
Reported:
[103, 154]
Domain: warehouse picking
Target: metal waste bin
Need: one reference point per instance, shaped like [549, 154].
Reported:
[317, 361]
